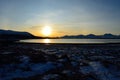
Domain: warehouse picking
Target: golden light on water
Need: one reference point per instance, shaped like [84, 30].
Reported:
[46, 31]
[46, 40]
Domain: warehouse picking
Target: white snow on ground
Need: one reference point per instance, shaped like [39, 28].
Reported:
[35, 69]
[101, 72]
[86, 69]
[41, 68]
[24, 59]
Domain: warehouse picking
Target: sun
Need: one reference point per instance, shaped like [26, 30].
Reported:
[46, 31]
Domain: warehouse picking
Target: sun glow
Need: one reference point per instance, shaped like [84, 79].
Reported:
[46, 31]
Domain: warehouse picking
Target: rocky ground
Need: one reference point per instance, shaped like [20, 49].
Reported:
[59, 62]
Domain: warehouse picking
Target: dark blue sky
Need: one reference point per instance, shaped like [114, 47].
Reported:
[64, 16]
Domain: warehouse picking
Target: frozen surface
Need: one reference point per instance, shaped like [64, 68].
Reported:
[59, 62]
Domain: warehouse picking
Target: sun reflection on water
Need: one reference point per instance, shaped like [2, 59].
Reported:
[46, 41]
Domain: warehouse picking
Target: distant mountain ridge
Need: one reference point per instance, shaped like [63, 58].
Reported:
[92, 36]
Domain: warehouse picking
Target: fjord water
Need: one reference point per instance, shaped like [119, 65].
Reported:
[71, 41]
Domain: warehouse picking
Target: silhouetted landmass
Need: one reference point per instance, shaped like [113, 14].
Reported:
[92, 36]
[11, 36]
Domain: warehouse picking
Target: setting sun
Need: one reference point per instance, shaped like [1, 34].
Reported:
[46, 31]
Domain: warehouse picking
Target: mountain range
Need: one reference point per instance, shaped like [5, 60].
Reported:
[92, 36]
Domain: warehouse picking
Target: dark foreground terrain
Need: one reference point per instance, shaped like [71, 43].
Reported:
[22, 61]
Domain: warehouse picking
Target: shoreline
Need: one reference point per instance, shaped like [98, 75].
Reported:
[66, 43]
[87, 45]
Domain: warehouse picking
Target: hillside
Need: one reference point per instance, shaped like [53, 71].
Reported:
[9, 35]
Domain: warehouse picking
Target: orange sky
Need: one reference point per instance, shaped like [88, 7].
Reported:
[65, 17]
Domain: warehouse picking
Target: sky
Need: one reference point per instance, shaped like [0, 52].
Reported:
[65, 17]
